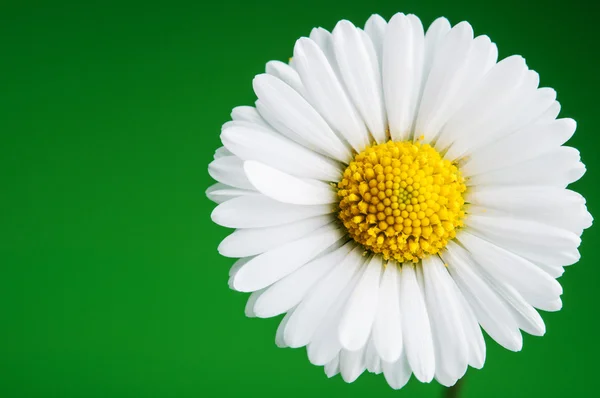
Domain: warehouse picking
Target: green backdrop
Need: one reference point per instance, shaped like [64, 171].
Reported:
[110, 282]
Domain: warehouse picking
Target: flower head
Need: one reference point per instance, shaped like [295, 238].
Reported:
[394, 192]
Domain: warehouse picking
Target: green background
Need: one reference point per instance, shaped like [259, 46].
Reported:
[110, 282]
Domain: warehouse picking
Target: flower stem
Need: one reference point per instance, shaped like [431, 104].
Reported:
[454, 391]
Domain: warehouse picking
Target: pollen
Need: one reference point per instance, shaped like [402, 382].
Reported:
[402, 199]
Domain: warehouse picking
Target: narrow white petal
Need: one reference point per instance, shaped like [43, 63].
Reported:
[229, 171]
[387, 329]
[248, 114]
[435, 33]
[325, 343]
[550, 114]
[221, 152]
[549, 205]
[279, 340]
[402, 71]
[557, 168]
[289, 291]
[253, 241]
[359, 69]
[332, 368]
[491, 312]
[352, 364]
[277, 151]
[323, 39]
[481, 57]
[375, 28]
[220, 193]
[286, 74]
[291, 110]
[327, 94]
[249, 310]
[361, 308]
[269, 267]
[525, 144]
[444, 80]
[257, 211]
[398, 373]
[287, 188]
[311, 311]
[529, 280]
[496, 87]
[416, 329]
[473, 334]
[443, 307]
[372, 360]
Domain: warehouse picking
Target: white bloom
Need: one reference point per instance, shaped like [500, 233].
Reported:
[393, 191]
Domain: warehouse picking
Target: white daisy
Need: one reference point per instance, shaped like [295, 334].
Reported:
[393, 191]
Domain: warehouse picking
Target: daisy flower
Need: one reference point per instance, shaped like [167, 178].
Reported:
[394, 192]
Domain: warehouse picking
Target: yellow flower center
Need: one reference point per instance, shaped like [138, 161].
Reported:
[401, 199]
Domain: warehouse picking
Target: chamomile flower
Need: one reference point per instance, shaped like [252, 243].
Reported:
[396, 191]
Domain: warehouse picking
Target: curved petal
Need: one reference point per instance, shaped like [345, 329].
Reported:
[257, 211]
[416, 329]
[229, 170]
[287, 188]
[387, 329]
[359, 313]
[267, 268]
[359, 69]
[279, 152]
[327, 94]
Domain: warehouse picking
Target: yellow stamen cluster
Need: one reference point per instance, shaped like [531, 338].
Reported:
[401, 199]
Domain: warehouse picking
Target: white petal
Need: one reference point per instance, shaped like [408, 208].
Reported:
[286, 74]
[557, 168]
[372, 360]
[311, 311]
[444, 81]
[325, 42]
[526, 316]
[257, 211]
[359, 68]
[387, 329]
[534, 284]
[229, 171]
[327, 94]
[443, 307]
[549, 205]
[325, 343]
[398, 373]
[497, 85]
[220, 193]
[279, 152]
[490, 311]
[291, 110]
[248, 114]
[521, 236]
[333, 367]
[402, 71]
[287, 188]
[269, 267]
[525, 144]
[221, 152]
[416, 329]
[359, 314]
[279, 340]
[550, 114]
[249, 310]
[481, 58]
[289, 291]
[375, 28]
[253, 241]
[473, 334]
[352, 364]
[435, 33]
